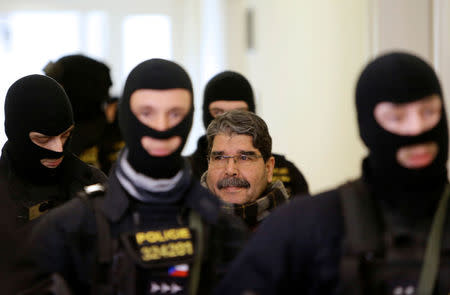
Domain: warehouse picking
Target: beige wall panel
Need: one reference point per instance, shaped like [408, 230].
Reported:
[403, 24]
[307, 57]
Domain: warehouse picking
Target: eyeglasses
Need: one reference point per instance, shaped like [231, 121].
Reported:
[242, 160]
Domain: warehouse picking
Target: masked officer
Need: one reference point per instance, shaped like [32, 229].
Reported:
[386, 233]
[155, 230]
[240, 170]
[87, 82]
[228, 91]
[37, 169]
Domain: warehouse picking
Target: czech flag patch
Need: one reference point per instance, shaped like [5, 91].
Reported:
[179, 271]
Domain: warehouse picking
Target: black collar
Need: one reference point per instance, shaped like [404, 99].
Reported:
[117, 201]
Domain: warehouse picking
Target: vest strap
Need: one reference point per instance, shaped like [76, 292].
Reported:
[196, 223]
[362, 225]
[430, 265]
[363, 233]
[104, 245]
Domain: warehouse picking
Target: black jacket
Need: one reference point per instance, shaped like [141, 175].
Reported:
[17, 197]
[297, 250]
[32, 200]
[285, 171]
[65, 241]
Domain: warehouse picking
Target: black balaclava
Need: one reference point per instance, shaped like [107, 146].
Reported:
[35, 103]
[226, 85]
[86, 82]
[154, 74]
[400, 78]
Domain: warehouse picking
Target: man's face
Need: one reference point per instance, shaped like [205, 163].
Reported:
[412, 119]
[241, 179]
[219, 107]
[53, 143]
[160, 110]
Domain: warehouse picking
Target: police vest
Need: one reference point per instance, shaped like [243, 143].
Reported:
[147, 261]
[375, 261]
[289, 175]
[39, 200]
[90, 156]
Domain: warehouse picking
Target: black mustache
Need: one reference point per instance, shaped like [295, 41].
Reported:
[232, 181]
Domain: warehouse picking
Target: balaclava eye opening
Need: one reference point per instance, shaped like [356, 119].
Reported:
[229, 86]
[35, 103]
[399, 78]
[162, 75]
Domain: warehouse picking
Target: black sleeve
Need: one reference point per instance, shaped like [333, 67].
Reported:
[57, 240]
[262, 265]
[98, 176]
[225, 240]
[230, 235]
[79, 174]
[17, 271]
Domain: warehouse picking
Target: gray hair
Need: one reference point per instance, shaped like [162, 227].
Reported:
[242, 123]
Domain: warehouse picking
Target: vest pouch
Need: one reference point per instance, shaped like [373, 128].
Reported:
[39, 200]
[162, 259]
[395, 270]
[398, 277]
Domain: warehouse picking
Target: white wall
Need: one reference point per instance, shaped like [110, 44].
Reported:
[441, 45]
[303, 68]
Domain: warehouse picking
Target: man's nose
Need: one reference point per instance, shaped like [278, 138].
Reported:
[56, 145]
[161, 123]
[416, 124]
[231, 167]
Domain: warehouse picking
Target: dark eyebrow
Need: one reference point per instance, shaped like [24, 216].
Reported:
[217, 153]
[144, 107]
[248, 153]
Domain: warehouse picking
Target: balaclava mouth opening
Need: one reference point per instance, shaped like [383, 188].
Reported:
[399, 78]
[35, 103]
[162, 75]
[229, 86]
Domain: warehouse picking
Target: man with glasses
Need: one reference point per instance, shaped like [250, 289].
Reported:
[228, 91]
[240, 166]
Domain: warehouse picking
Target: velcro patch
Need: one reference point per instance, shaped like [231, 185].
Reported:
[39, 209]
[163, 246]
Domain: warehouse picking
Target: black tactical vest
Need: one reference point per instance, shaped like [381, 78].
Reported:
[378, 259]
[149, 260]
